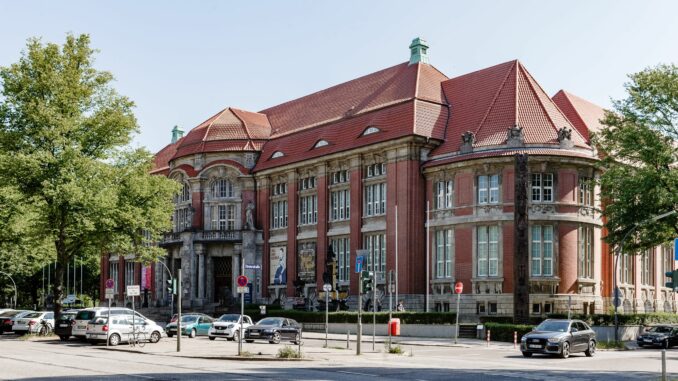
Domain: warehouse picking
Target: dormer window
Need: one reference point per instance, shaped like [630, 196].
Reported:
[321, 143]
[277, 154]
[371, 130]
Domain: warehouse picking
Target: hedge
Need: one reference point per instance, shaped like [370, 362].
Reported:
[445, 318]
[504, 331]
[624, 319]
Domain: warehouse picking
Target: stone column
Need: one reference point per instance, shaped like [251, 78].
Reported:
[209, 278]
[200, 254]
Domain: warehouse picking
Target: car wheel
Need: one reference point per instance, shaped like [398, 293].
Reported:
[155, 337]
[565, 353]
[63, 338]
[665, 344]
[114, 339]
[212, 338]
[249, 341]
[236, 336]
[192, 333]
[592, 349]
[527, 354]
[296, 340]
[275, 339]
[169, 335]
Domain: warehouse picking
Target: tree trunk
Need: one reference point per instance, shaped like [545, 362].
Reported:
[59, 283]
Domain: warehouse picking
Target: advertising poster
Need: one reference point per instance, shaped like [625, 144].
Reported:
[278, 263]
[307, 263]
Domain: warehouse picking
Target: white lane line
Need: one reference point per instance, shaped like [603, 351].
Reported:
[356, 373]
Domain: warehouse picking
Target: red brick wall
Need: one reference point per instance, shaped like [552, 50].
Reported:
[507, 236]
[263, 219]
[292, 212]
[196, 203]
[321, 243]
[463, 238]
[356, 178]
[463, 193]
[567, 251]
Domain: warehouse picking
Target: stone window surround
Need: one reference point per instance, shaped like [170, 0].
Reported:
[497, 280]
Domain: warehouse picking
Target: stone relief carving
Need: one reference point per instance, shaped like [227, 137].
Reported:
[467, 138]
[249, 160]
[565, 137]
[249, 216]
[515, 136]
[542, 208]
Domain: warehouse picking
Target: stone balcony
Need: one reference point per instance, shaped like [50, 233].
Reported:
[218, 236]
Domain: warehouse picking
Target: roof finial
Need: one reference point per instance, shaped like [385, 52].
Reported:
[176, 134]
[418, 49]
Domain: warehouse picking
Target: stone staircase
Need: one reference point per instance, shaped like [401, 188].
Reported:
[468, 331]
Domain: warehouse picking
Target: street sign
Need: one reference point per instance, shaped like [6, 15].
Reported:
[109, 293]
[252, 267]
[458, 288]
[134, 290]
[327, 287]
[243, 289]
[70, 299]
[242, 281]
[359, 260]
[110, 283]
[675, 249]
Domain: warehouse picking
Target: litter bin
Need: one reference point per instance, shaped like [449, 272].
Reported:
[480, 331]
[394, 327]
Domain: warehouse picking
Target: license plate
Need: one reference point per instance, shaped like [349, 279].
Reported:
[254, 333]
[648, 340]
[63, 325]
[82, 326]
[534, 346]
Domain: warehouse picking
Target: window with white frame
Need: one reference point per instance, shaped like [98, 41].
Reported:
[223, 217]
[279, 189]
[585, 255]
[646, 268]
[279, 214]
[113, 274]
[444, 194]
[184, 195]
[586, 187]
[307, 183]
[487, 250]
[541, 185]
[129, 273]
[308, 210]
[340, 177]
[667, 262]
[222, 188]
[444, 253]
[340, 205]
[375, 199]
[626, 269]
[375, 244]
[342, 250]
[542, 250]
[182, 218]
[488, 189]
[375, 170]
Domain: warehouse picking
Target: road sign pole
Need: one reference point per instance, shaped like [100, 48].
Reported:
[327, 313]
[374, 308]
[180, 291]
[242, 282]
[458, 289]
[359, 334]
[390, 307]
[134, 336]
[108, 321]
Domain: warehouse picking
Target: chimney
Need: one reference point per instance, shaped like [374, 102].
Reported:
[176, 134]
[418, 49]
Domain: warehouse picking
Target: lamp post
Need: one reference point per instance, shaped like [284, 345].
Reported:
[15, 291]
[171, 280]
[616, 264]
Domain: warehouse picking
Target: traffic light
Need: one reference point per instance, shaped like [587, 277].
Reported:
[172, 286]
[673, 284]
[367, 279]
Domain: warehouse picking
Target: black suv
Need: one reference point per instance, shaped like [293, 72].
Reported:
[664, 336]
[559, 337]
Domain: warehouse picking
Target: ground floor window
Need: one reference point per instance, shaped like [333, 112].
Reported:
[113, 274]
[342, 250]
[375, 244]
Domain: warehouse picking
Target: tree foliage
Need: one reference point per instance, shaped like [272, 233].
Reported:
[640, 166]
[64, 161]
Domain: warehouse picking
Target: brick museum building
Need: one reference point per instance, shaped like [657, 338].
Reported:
[414, 168]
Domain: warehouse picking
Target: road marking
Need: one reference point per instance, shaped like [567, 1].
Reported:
[357, 373]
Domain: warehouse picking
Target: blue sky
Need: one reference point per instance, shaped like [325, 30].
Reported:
[182, 61]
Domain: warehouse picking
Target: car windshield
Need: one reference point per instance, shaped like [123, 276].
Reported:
[660, 329]
[230, 318]
[189, 319]
[67, 315]
[270, 321]
[553, 326]
[34, 315]
[85, 315]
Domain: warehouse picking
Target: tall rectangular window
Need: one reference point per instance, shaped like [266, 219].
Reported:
[626, 269]
[542, 250]
[340, 205]
[308, 210]
[444, 194]
[488, 189]
[375, 244]
[113, 274]
[278, 214]
[375, 199]
[586, 187]
[585, 237]
[667, 262]
[487, 251]
[129, 273]
[646, 268]
[342, 250]
[541, 185]
[444, 252]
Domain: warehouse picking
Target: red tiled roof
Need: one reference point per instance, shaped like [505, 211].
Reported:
[584, 115]
[490, 101]
[511, 152]
[162, 158]
[379, 89]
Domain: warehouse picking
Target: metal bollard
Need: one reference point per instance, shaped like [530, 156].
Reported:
[488, 338]
[664, 365]
[348, 339]
[515, 340]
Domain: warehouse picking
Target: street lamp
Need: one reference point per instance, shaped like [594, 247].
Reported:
[615, 292]
[171, 280]
[15, 292]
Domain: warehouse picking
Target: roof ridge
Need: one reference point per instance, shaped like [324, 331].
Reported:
[567, 96]
[541, 104]
[416, 95]
[244, 123]
[496, 95]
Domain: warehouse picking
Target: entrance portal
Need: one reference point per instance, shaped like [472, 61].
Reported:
[223, 280]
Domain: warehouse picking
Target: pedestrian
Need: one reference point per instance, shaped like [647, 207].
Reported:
[400, 307]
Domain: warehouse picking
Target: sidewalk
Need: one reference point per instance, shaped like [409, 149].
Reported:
[340, 339]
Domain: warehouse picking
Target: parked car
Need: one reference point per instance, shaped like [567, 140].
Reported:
[32, 322]
[121, 329]
[84, 316]
[664, 336]
[274, 330]
[63, 326]
[7, 319]
[559, 337]
[192, 325]
[229, 326]
[3, 310]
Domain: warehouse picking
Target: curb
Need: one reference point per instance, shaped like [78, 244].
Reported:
[233, 358]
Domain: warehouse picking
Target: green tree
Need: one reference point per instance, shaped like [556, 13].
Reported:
[640, 166]
[63, 156]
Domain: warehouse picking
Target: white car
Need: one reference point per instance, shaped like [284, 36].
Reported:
[32, 322]
[88, 314]
[121, 328]
[229, 326]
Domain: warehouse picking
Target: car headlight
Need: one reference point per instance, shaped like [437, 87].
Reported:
[229, 326]
[524, 338]
[554, 339]
[268, 330]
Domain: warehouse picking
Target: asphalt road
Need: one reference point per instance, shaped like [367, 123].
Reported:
[52, 360]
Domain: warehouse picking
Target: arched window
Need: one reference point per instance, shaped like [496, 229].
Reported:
[277, 154]
[370, 130]
[184, 195]
[222, 188]
[321, 143]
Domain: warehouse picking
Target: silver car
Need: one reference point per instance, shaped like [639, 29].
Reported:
[559, 337]
[33, 322]
[122, 328]
[229, 326]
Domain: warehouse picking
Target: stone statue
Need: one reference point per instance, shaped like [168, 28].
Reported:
[564, 133]
[467, 139]
[515, 137]
[249, 216]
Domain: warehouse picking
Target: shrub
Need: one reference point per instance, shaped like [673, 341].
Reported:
[446, 318]
[504, 332]
[624, 319]
[395, 349]
[288, 353]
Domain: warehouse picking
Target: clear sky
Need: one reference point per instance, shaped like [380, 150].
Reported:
[183, 61]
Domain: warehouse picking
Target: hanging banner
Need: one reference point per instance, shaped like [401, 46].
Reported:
[278, 265]
[307, 262]
[146, 277]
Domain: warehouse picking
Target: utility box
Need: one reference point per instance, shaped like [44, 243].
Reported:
[394, 327]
